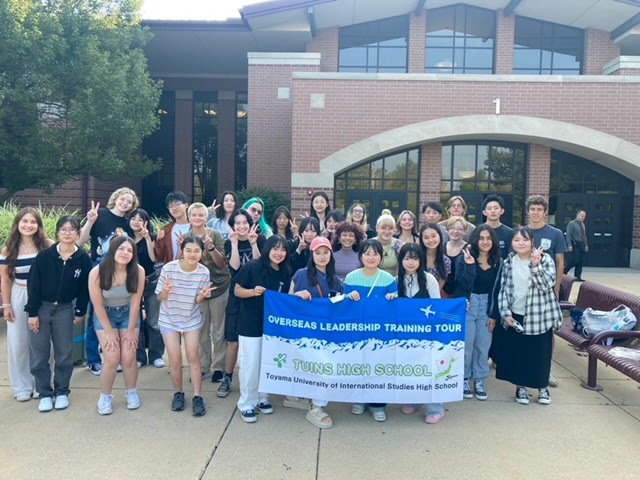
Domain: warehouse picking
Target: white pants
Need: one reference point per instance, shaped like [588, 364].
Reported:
[18, 344]
[249, 354]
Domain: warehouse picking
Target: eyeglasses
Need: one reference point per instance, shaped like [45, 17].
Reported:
[256, 210]
[357, 210]
[171, 206]
[456, 229]
[67, 230]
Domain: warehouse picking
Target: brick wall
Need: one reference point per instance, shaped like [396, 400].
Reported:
[70, 194]
[599, 50]
[430, 173]
[301, 200]
[417, 33]
[184, 146]
[326, 43]
[358, 109]
[269, 126]
[539, 170]
[505, 30]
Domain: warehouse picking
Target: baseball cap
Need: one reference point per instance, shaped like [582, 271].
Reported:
[320, 242]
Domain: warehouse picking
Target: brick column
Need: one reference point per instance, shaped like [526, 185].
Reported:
[226, 141]
[183, 174]
[599, 50]
[505, 31]
[326, 43]
[270, 116]
[635, 245]
[417, 33]
[430, 173]
[539, 170]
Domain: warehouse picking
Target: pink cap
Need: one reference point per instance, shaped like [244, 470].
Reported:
[320, 242]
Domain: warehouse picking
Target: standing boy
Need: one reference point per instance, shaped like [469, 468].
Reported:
[493, 209]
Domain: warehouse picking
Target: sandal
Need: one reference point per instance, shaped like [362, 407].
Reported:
[409, 409]
[319, 418]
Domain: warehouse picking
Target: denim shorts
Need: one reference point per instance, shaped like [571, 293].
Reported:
[118, 316]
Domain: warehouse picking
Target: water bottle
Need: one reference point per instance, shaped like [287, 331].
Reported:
[619, 324]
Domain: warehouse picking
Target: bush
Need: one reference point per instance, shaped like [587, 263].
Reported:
[50, 216]
[272, 199]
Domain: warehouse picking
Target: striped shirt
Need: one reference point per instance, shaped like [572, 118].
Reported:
[376, 286]
[23, 265]
[179, 311]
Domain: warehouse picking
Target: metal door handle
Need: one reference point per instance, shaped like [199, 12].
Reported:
[597, 234]
[607, 234]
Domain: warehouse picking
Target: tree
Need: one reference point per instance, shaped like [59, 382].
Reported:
[76, 97]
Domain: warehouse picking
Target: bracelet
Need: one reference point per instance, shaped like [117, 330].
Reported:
[252, 243]
[5, 305]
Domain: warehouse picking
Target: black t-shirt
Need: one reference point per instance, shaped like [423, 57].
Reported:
[245, 252]
[104, 229]
[504, 235]
[252, 308]
[143, 257]
[483, 283]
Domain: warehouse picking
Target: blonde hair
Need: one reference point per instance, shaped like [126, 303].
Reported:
[196, 206]
[453, 199]
[386, 220]
[118, 193]
[363, 223]
[451, 221]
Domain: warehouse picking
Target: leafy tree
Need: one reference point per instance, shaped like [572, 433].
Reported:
[75, 93]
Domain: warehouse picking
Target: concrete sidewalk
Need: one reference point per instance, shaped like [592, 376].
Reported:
[582, 434]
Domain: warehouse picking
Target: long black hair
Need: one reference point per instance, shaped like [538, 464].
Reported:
[494, 254]
[313, 221]
[312, 272]
[412, 250]
[312, 211]
[144, 216]
[282, 210]
[440, 265]
[221, 213]
[265, 262]
[107, 268]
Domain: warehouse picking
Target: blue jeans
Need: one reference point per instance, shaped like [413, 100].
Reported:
[149, 330]
[92, 345]
[118, 317]
[477, 338]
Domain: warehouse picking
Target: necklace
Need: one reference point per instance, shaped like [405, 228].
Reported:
[410, 279]
[28, 248]
[386, 249]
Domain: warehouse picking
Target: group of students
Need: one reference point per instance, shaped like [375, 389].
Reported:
[200, 280]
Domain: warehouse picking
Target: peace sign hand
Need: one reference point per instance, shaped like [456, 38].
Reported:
[468, 258]
[253, 234]
[206, 291]
[208, 242]
[536, 256]
[214, 206]
[92, 215]
[294, 227]
[168, 287]
[144, 231]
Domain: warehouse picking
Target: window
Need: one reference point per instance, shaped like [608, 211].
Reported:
[378, 47]
[205, 146]
[460, 39]
[545, 48]
[242, 112]
[477, 169]
[386, 182]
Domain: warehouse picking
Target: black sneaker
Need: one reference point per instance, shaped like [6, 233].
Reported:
[198, 406]
[217, 376]
[249, 416]
[466, 390]
[177, 404]
[225, 387]
[265, 408]
[522, 395]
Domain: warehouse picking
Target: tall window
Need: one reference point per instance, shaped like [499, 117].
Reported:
[460, 39]
[242, 112]
[205, 146]
[545, 48]
[378, 47]
[476, 169]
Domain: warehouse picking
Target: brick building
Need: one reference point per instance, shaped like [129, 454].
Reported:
[393, 104]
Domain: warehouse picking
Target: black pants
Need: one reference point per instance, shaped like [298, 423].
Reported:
[576, 259]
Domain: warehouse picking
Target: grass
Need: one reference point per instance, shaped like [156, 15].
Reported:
[50, 216]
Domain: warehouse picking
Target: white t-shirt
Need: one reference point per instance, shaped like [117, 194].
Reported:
[176, 231]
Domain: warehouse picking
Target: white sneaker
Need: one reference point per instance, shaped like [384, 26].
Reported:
[23, 397]
[45, 405]
[158, 363]
[553, 381]
[133, 400]
[139, 364]
[105, 404]
[62, 402]
[119, 368]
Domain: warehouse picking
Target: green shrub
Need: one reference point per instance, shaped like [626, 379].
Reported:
[50, 216]
[272, 199]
